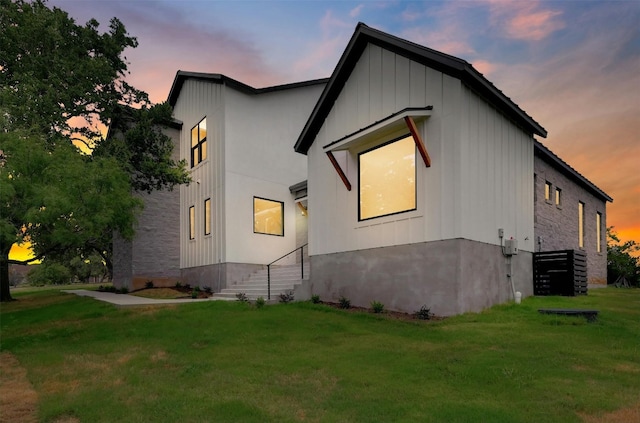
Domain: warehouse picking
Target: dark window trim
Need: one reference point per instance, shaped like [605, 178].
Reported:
[199, 144]
[192, 223]
[207, 222]
[254, 215]
[415, 188]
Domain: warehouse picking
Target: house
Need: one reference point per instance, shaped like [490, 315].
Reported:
[570, 213]
[416, 171]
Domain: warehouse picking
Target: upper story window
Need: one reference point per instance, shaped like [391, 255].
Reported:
[558, 197]
[387, 179]
[547, 191]
[268, 216]
[599, 232]
[199, 142]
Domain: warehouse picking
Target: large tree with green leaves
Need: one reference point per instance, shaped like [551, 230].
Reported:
[60, 83]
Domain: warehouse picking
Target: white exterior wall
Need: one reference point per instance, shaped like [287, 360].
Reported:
[199, 99]
[480, 179]
[260, 161]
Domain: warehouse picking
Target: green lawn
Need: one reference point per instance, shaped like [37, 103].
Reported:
[225, 361]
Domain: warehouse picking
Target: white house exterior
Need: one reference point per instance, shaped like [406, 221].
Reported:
[444, 251]
[420, 183]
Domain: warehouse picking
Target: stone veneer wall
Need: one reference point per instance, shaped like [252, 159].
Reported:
[450, 277]
[557, 226]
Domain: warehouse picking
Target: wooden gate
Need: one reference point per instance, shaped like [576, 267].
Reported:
[560, 273]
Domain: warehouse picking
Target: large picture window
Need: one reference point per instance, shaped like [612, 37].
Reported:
[387, 182]
[199, 142]
[268, 216]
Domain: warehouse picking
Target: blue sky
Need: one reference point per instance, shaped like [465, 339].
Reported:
[572, 65]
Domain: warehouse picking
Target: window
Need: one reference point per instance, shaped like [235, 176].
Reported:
[207, 216]
[558, 197]
[547, 191]
[580, 224]
[599, 232]
[192, 222]
[199, 142]
[268, 217]
[387, 182]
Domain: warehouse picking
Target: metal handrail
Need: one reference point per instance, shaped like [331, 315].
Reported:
[301, 248]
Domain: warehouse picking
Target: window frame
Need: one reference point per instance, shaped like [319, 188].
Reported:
[192, 223]
[598, 232]
[547, 191]
[200, 145]
[558, 197]
[207, 216]
[580, 224]
[255, 197]
[415, 177]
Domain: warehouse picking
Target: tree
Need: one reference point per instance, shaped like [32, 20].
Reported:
[60, 83]
[621, 262]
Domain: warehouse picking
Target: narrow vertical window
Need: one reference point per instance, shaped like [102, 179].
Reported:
[192, 222]
[199, 142]
[268, 216]
[580, 224]
[558, 197]
[599, 232]
[207, 216]
[547, 191]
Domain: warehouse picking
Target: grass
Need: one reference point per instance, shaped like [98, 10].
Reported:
[227, 361]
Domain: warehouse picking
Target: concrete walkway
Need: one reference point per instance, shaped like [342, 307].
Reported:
[125, 300]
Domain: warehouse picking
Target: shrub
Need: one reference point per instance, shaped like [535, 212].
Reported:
[344, 302]
[178, 284]
[242, 297]
[315, 299]
[377, 306]
[424, 313]
[208, 289]
[260, 302]
[49, 274]
[194, 293]
[123, 290]
[286, 297]
[187, 286]
[148, 285]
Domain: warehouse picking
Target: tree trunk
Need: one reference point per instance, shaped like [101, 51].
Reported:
[5, 292]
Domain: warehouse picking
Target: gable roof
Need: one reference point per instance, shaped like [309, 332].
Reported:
[449, 65]
[548, 156]
[216, 78]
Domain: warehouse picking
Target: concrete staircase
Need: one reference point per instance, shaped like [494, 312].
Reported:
[283, 280]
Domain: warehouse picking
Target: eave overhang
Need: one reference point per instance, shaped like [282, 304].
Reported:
[449, 65]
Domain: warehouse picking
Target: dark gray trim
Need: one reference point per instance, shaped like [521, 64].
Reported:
[300, 186]
[216, 78]
[449, 65]
[548, 156]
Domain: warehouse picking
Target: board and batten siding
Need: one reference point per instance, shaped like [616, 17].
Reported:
[200, 99]
[480, 179]
[260, 161]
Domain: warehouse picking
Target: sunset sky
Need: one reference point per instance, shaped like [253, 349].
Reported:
[574, 66]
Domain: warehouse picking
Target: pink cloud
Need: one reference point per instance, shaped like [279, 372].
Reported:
[520, 20]
[484, 67]
[355, 12]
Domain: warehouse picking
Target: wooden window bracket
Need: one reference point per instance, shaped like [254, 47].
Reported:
[418, 140]
[338, 169]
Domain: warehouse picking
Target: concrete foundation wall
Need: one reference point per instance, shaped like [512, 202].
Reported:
[218, 276]
[450, 276]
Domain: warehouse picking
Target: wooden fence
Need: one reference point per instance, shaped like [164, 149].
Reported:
[560, 273]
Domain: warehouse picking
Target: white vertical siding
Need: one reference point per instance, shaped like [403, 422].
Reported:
[199, 99]
[481, 174]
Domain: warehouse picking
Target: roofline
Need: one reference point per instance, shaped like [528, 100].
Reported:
[550, 157]
[442, 62]
[217, 78]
